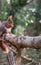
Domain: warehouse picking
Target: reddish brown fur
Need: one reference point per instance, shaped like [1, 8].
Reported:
[9, 24]
[2, 45]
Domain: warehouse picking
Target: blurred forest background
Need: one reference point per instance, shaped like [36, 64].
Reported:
[27, 20]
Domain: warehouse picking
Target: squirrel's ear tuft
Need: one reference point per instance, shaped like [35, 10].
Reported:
[9, 18]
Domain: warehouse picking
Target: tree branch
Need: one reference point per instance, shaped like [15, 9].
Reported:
[23, 57]
[24, 41]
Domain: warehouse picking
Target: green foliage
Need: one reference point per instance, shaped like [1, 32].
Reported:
[19, 30]
[22, 2]
[25, 16]
[23, 13]
[4, 7]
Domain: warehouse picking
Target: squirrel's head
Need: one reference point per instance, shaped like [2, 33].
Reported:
[10, 22]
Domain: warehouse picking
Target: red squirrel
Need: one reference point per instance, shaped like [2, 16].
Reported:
[6, 28]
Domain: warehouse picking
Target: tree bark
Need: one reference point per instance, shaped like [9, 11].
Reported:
[24, 41]
[18, 58]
